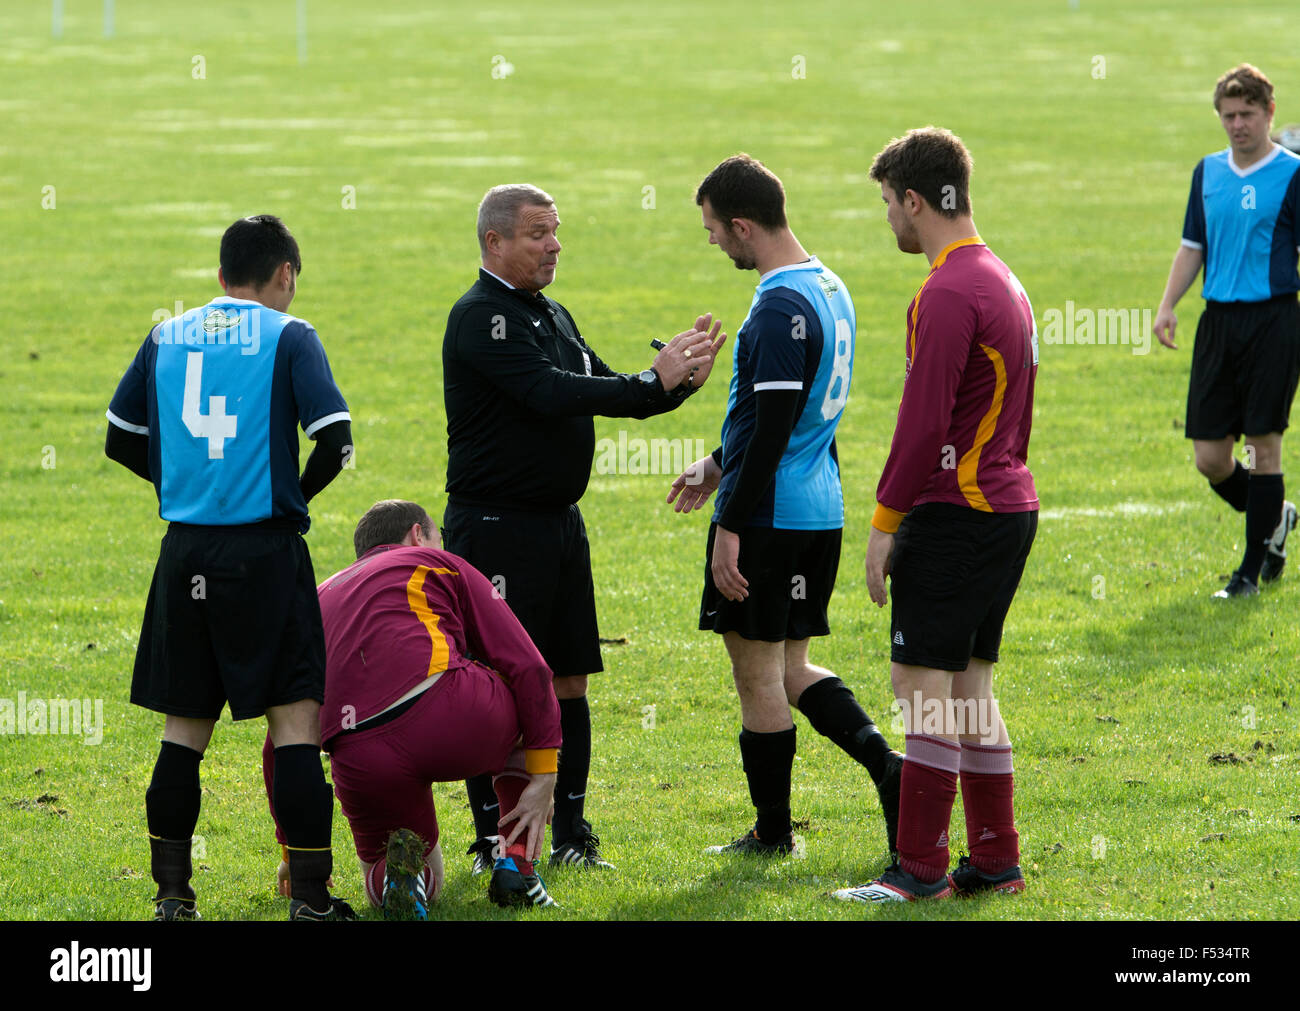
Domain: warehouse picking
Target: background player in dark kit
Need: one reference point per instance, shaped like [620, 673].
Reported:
[521, 388]
[208, 412]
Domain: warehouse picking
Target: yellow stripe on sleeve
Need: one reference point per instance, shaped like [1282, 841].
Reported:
[540, 761]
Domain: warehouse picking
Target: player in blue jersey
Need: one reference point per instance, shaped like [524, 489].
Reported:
[208, 412]
[1243, 225]
[774, 543]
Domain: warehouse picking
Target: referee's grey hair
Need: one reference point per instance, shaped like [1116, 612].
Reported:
[499, 209]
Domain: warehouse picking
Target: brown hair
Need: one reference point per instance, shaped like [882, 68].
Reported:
[1245, 82]
[387, 523]
[931, 162]
[742, 187]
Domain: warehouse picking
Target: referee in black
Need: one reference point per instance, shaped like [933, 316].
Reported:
[521, 389]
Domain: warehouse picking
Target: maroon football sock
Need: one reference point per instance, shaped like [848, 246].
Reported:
[508, 789]
[987, 787]
[929, 787]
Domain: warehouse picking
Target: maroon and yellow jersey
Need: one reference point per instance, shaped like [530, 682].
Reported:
[400, 615]
[968, 394]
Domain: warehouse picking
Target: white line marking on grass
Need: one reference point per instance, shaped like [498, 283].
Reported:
[459, 161]
[1110, 512]
[180, 207]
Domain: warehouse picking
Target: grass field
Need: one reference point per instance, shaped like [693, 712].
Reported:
[1155, 729]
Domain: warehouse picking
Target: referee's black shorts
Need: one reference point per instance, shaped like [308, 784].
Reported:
[1245, 366]
[953, 575]
[791, 575]
[540, 562]
[232, 616]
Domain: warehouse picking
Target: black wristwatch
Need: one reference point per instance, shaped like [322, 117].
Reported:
[651, 378]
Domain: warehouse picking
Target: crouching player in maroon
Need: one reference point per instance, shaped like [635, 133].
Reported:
[429, 678]
[955, 518]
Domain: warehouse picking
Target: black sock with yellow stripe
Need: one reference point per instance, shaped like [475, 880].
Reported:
[304, 806]
[172, 808]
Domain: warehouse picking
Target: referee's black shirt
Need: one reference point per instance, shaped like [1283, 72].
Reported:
[521, 387]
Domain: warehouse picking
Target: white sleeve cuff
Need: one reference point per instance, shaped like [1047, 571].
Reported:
[1192, 245]
[126, 425]
[778, 385]
[320, 423]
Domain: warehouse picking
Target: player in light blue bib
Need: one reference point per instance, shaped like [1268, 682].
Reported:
[1243, 226]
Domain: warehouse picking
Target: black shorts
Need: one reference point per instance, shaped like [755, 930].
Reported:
[953, 574]
[232, 615]
[791, 575]
[1245, 365]
[540, 562]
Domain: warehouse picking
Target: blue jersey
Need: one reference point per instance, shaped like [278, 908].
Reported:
[220, 392]
[1248, 225]
[798, 336]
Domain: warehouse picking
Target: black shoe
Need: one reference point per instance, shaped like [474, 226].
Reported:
[968, 880]
[1238, 586]
[481, 850]
[1275, 559]
[509, 888]
[176, 909]
[404, 893]
[889, 788]
[750, 845]
[583, 850]
[338, 910]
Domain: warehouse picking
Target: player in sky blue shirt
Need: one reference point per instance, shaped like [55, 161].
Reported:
[774, 544]
[220, 391]
[798, 337]
[1243, 225]
[1246, 223]
[209, 412]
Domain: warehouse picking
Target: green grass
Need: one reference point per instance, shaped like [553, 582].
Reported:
[1117, 691]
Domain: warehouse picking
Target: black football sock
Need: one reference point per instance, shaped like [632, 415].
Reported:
[768, 759]
[1234, 489]
[172, 801]
[1263, 510]
[304, 803]
[571, 776]
[170, 864]
[833, 711]
[483, 804]
[172, 808]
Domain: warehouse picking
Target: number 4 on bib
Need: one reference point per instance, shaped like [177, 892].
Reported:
[216, 426]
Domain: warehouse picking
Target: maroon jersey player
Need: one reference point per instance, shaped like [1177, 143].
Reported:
[955, 518]
[429, 678]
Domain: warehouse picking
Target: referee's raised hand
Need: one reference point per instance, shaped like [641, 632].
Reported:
[690, 349]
